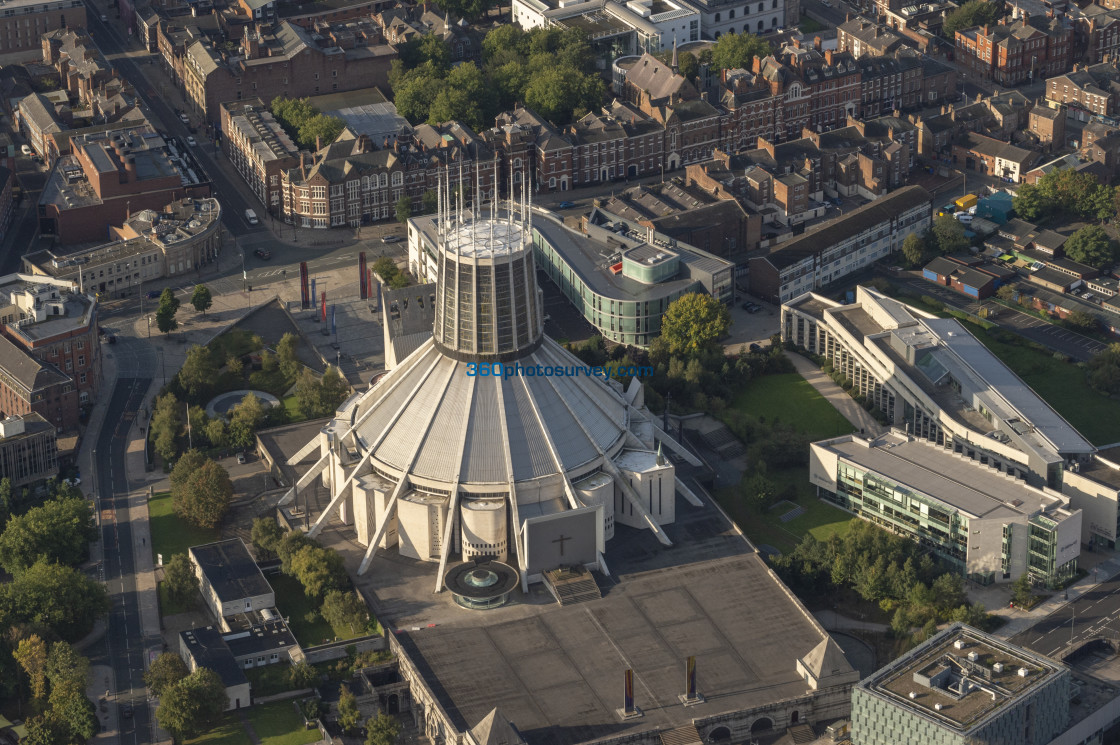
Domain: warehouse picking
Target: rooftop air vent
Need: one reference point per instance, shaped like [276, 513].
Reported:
[1023, 672]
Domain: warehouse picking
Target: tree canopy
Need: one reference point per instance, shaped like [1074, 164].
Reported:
[56, 596]
[382, 730]
[198, 373]
[972, 13]
[694, 323]
[1104, 369]
[737, 50]
[550, 70]
[164, 672]
[1091, 245]
[202, 298]
[304, 123]
[946, 235]
[202, 497]
[58, 531]
[914, 250]
[165, 313]
[319, 397]
[167, 420]
[179, 579]
[193, 705]
[345, 611]
[1068, 192]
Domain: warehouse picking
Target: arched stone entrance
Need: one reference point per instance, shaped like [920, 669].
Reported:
[719, 734]
[765, 724]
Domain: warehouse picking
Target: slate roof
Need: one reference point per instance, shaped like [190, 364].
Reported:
[27, 371]
[657, 79]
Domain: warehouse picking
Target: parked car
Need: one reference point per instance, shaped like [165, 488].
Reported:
[565, 205]
[184, 118]
[263, 253]
[111, 339]
[25, 149]
[756, 347]
[391, 239]
[104, 18]
[154, 295]
[191, 141]
[241, 458]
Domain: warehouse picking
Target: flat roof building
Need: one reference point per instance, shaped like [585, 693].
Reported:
[959, 687]
[229, 579]
[28, 450]
[988, 525]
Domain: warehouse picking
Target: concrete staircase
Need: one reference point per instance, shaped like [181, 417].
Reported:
[570, 587]
[801, 733]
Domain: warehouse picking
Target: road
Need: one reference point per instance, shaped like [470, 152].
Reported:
[1095, 611]
[123, 648]
[115, 48]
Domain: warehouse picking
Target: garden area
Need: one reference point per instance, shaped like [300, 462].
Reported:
[777, 416]
[170, 535]
[277, 723]
[302, 612]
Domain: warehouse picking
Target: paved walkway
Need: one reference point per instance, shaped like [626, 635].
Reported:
[835, 395]
[833, 621]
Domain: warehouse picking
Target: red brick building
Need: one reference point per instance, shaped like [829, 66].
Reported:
[24, 22]
[284, 59]
[1088, 90]
[109, 175]
[258, 148]
[1009, 54]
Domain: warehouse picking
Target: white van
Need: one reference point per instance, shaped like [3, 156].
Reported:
[251, 217]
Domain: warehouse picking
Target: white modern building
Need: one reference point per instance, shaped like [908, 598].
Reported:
[490, 441]
[656, 24]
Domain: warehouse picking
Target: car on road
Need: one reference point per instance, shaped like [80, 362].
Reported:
[154, 295]
[262, 253]
[251, 217]
[126, 710]
[751, 307]
[756, 347]
[241, 458]
[565, 205]
[392, 239]
[25, 149]
[111, 338]
[191, 140]
[184, 118]
[104, 18]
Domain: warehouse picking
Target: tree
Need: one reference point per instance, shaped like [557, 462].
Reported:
[165, 313]
[58, 597]
[216, 433]
[202, 299]
[404, 209]
[166, 422]
[235, 365]
[1084, 321]
[947, 234]
[204, 497]
[179, 579]
[694, 323]
[687, 65]
[470, 9]
[165, 671]
[1091, 245]
[1022, 593]
[5, 500]
[182, 471]
[303, 675]
[59, 531]
[67, 672]
[1028, 203]
[198, 373]
[244, 420]
[317, 569]
[266, 535]
[345, 612]
[758, 489]
[429, 202]
[1104, 369]
[286, 354]
[31, 654]
[348, 714]
[560, 92]
[382, 730]
[1007, 292]
[914, 250]
[193, 705]
[733, 51]
[320, 131]
[972, 13]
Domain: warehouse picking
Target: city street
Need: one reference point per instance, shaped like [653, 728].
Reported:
[1096, 611]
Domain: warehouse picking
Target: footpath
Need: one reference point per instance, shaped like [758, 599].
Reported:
[835, 395]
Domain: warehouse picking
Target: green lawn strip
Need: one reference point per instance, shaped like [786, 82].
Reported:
[279, 723]
[292, 407]
[229, 732]
[293, 604]
[789, 398]
[170, 535]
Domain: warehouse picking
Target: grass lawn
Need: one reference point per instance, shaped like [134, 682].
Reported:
[236, 342]
[229, 732]
[294, 604]
[273, 382]
[809, 25]
[789, 398]
[170, 535]
[820, 518]
[292, 409]
[279, 723]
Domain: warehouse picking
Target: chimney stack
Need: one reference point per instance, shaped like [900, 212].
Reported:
[817, 43]
[318, 143]
[828, 57]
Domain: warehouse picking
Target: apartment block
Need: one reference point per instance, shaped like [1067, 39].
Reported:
[28, 450]
[839, 247]
[23, 23]
[1089, 90]
[1027, 49]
